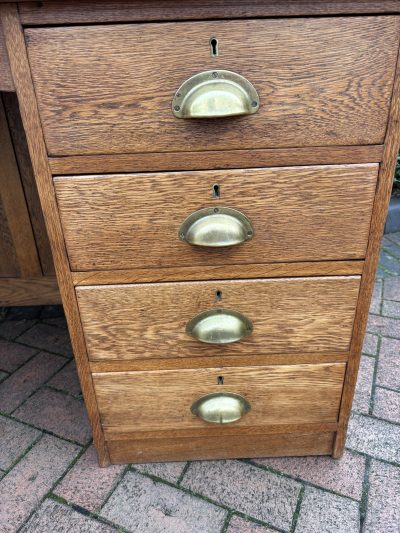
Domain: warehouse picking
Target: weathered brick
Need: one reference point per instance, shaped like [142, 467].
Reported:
[169, 471]
[56, 412]
[13, 355]
[3, 375]
[26, 484]
[382, 325]
[11, 329]
[15, 439]
[86, 484]
[27, 379]
[383, 512]
[53, 517]
[387, 404]
[376, 300]
[374, 437]
[49, 338]
[388, 374]
[245, 488]
[370, 346]
[67, 380]
[345, 475]
[391, 309]
[239, 525]
[322, 512]
[146, 506]
[362, 395]
[391, 290]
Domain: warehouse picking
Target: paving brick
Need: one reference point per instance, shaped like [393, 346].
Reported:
[15, 440]
[383, 512]
[169, 471]
[322, 512]
[389, 263]
[67, 380]
[60, 322]
[391, 248]
[391, 309]
[146, 506]
[395, 237]
[362, 395]
[52, 311]
[345, 475]
[388, 373]
[52, 517]
[46, 337]
[391, 289]
[56, 412]
[370, 346]
[245, 488]
[86, 484]
[13, 355]
[382, 325]
[374, 437]
[387, 404]
[27, 379]
[3, 375]
[23, 312]
[239, 525]
[376, 300]
[11, 329]
[26, 484]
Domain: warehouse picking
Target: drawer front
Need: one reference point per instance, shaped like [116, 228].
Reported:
[109, 89]
[298, 214]
[162, 400]
[297, 315]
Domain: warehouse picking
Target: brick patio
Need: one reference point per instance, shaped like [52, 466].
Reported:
[49, 480]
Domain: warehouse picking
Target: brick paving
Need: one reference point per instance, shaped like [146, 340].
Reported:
[50, 481]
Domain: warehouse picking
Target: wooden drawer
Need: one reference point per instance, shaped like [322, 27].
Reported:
[298, 214]
[299, 315]
[160, 401]
[108, 88]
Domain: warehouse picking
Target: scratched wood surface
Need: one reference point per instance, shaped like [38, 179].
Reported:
[321, 81]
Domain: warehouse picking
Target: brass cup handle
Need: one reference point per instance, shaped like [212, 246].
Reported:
[219, 326]
[216, 227]
[221, 408]
[215, 94]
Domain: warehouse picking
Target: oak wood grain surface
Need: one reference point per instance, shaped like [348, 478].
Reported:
[32, 291]
[277, 394]
[148, 320]
[192, 448]
[298, 214]
[64, 12]
[6, 81]
[321, 81]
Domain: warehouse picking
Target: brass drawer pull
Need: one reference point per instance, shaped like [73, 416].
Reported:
[221, 407]
[215, 94]
[216, 227]
[219, 326]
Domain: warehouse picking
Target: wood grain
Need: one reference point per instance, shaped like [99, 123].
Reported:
[39, 291]
[148, 321]
[6, 81]
[14, 207]
[382, 198]
[18, 137]
[64, 12]
[298, 214]
[318, 155]
[321, 81]
[162, 399]
[254, 270]
[31, 120]
[143, 451]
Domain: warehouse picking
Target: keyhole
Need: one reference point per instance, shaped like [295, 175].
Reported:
[218, 295]
[216, 191]
[220, 380]
[213, 47]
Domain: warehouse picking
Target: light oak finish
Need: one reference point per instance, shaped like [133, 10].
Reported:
[19, 291]
[31, 120]
[63, 12]
[294, 394]
[172, 449]
[128, 221]
[254, 270]
[321, 81]
[148, 321]
[89, 164]
[6, 81]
